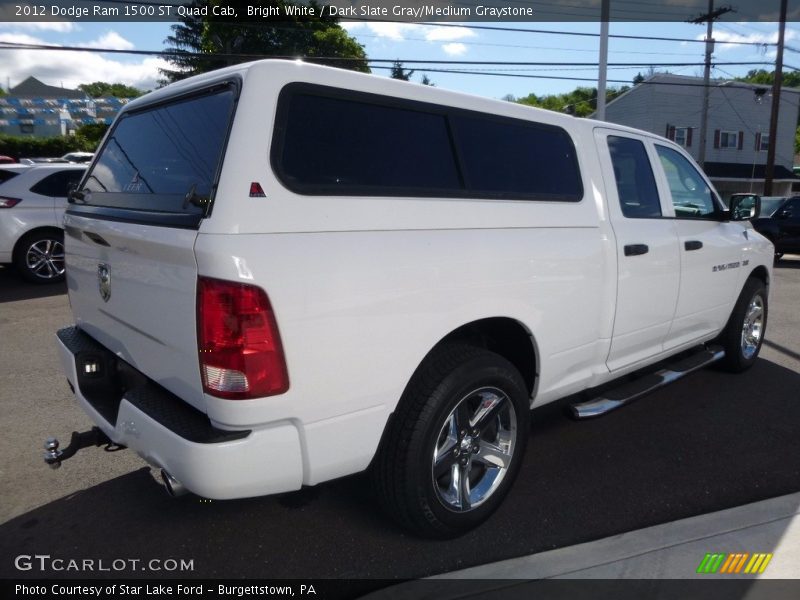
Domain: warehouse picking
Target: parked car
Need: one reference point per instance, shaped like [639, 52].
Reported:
[313, 272]
[779, 222]
[78, 157]
[32, 203]
[6, 160]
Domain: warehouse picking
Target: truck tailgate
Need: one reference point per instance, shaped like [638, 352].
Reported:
[132, 288]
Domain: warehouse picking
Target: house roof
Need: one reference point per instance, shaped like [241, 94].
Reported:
[719, 170]
[33, 88]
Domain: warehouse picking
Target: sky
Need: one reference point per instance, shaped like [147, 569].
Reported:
[409, 41]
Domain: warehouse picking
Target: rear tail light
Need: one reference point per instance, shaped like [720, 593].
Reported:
[8, 202]
[241, 356]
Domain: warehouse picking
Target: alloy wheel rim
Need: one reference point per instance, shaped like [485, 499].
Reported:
[45, 259]
[753, 327]
[474, 449]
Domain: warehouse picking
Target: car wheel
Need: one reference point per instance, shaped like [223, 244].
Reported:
[744, 333]
[455, 443]
[40, 257]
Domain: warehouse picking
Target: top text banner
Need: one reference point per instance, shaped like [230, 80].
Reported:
[490, 11]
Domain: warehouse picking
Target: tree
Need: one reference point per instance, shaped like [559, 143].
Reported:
[398, 72]
[200, 44]
[426, 81]
[580, 102]
[101, 89]
[91, 134]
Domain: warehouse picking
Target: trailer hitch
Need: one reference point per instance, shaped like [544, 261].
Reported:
[86, 439]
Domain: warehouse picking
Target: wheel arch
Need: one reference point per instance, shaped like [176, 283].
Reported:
[505, 336]
[761, 273]
[30, 232]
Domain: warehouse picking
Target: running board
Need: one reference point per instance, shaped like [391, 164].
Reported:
[628, 392]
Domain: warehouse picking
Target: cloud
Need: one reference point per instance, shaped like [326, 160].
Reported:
[396, 32]
[448, 34]
[70, 69]
[111, 40]
[454, 49]
[724, 38]
[60, 26]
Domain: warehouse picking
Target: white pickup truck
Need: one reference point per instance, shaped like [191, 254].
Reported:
[283, 273]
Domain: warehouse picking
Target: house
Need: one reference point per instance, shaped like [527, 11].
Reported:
[737, 136]
[36, 109]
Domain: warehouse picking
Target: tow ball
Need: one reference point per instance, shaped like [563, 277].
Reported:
[86, 439]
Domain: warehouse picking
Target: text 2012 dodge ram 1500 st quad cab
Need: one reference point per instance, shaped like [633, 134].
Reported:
[283, 273]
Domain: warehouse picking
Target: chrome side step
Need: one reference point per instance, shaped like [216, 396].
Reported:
[632, 390]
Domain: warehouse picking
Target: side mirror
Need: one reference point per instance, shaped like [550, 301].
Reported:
[745, 208]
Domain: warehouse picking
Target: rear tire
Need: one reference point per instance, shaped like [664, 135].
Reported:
[744, 333]
[39, 256]
[455, 444]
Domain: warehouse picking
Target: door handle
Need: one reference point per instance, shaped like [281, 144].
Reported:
[693, 245]
[636, 249]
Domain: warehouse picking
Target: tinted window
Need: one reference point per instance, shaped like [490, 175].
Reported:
[333, 144]
[792, 208]
[5, 175]
[691, 197]
[636, 186]
[517, 159]
[164, 158]
[58, 184]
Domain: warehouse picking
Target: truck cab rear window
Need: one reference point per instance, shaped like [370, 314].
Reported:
[164, 158]
[335, 142]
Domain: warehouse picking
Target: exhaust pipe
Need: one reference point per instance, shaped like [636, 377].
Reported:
[174, 487]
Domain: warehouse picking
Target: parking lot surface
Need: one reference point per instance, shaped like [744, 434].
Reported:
[708, 442]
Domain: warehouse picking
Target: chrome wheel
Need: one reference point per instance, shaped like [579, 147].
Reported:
[44, 259]
[474, 449]
[752, 327]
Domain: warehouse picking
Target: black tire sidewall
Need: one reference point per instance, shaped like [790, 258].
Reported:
[485, 370]
[734, 358]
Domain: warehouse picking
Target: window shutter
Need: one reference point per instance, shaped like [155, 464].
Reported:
[716, 138]
[689, 137]
[666, 131]
[758, 141]
[672, 133]
[741, 140]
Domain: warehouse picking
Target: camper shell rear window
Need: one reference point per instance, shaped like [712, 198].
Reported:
[329, 141]
[160, 164]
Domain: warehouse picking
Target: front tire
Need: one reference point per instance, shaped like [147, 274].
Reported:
[39, 256]
[455, 443]
[744, 333]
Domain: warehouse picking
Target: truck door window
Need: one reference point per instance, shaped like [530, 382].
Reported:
[691, 196]
[636, 186]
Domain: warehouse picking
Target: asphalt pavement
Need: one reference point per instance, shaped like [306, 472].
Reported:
[710, 442]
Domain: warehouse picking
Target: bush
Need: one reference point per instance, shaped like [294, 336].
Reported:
[28, 147]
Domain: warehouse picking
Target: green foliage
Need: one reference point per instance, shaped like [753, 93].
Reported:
[92, 134]
[398, 72]
[426, 81]
[581, 102]
[202, 44]
[763, 77]
[30, 147]
[101, 89]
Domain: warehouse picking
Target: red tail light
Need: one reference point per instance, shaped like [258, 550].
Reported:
[8, 202]
[241, 356]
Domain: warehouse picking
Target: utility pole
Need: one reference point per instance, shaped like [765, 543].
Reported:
[769, 171]
[708, 18]
[605, 10]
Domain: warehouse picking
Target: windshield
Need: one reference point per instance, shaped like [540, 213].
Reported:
[164, 158]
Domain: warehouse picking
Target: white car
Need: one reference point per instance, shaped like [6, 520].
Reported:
[283, 273]
[32, 204]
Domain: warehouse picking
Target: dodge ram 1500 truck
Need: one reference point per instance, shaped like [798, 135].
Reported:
[282, 274]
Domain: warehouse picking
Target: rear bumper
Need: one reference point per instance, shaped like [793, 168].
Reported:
[170, 434]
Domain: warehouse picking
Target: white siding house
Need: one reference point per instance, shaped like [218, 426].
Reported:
[738, 127]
